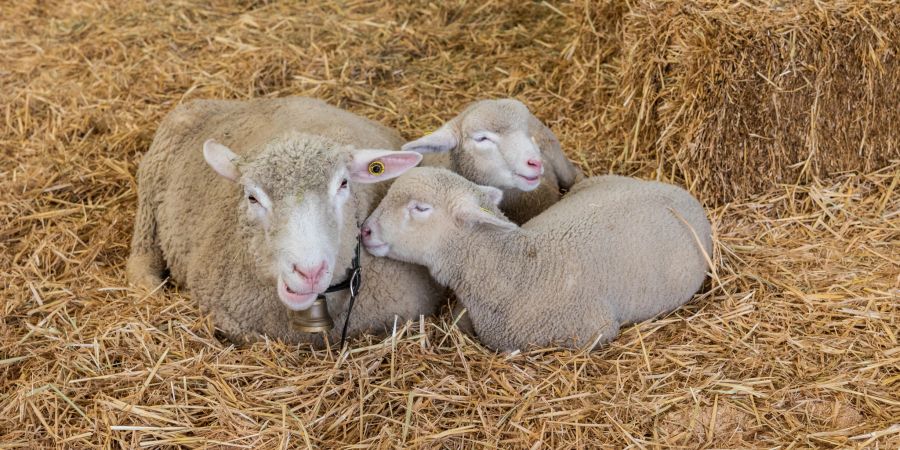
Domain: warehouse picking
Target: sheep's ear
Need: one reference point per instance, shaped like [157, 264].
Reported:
[221, 159]
[472, 214]
[442, 140]
[372, 166]
[494, 194]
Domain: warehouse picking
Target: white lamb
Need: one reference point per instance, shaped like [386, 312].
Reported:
[500, 143]
[259, 231]
[613, 251]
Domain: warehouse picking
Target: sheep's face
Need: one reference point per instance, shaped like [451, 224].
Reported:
[424, 209]
[295, 203]
[491, 144]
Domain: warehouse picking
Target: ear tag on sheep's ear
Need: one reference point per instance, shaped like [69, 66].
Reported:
[487, 210]
[376, 168]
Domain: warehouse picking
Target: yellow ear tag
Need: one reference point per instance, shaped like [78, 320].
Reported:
[487, 210]
[376, 168]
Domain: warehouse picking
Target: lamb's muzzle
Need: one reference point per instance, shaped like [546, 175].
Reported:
[370, 239]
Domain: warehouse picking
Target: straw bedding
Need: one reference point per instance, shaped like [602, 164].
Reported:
[794, 343]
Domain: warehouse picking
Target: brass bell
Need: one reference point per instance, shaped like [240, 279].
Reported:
[313, 319]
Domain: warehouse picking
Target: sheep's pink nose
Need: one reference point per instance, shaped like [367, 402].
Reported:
[535, 163]
[366, 231]
[312, 273]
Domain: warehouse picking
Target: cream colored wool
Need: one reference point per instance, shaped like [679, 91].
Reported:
[613, 251]
[189, 219]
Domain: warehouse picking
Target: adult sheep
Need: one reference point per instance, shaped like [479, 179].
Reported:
[253, 206]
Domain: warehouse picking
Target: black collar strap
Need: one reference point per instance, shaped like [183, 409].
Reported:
[353, 281]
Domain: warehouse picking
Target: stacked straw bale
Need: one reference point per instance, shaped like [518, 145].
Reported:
[736, 97]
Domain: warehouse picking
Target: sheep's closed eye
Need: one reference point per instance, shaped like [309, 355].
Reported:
[419, 210]
[252, 200]
[484, 137]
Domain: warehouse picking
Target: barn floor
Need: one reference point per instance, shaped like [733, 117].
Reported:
[794, 344]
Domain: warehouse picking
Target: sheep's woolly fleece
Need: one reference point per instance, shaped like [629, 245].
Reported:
[793, 344]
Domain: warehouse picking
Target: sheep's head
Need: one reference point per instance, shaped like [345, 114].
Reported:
[491, 143]
[424, 208]
[295, 205]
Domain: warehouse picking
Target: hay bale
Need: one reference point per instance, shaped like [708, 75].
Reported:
[734, 98]
[579, 112]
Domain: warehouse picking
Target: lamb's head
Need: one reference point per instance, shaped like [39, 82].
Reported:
[295, 203]
[426, 207]
[491, 143]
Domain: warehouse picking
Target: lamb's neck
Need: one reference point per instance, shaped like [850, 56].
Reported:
[481, 260]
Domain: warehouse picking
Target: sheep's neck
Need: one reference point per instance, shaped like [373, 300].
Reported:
[482, 264]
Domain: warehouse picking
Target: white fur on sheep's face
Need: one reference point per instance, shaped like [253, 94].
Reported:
[492, 145]
[296, 196]
[425, 208]
[306, 246]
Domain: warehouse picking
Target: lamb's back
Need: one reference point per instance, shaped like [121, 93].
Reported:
[629, 233]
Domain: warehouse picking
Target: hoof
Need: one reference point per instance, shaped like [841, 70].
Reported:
[141, 274]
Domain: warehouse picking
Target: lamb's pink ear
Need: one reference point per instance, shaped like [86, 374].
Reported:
[472, 214]
[494, 194]
[442, 140]
[372, 166]
[221, 159]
